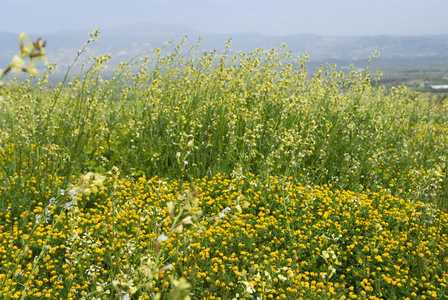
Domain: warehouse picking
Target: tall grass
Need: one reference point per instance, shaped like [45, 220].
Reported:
[230, 113]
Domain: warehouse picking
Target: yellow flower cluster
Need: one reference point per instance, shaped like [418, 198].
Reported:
[266, 239]
[31, 50]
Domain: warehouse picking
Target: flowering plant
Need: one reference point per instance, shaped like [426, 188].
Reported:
[31, 50]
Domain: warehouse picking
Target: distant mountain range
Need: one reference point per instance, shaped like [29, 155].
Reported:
[124, 42]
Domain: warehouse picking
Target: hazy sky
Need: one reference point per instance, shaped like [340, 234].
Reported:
[274, 17]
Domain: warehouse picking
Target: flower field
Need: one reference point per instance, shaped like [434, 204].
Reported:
[221, 176]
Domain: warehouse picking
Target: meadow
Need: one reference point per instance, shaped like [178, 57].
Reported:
[228, 175]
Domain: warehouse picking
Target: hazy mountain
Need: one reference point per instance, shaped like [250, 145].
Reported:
[124, 42]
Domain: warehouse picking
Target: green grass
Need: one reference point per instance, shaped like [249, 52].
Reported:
[251, 133]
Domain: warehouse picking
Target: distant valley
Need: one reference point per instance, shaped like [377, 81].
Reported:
[400, 55]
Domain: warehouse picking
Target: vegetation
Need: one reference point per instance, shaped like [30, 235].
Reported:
[221, 176]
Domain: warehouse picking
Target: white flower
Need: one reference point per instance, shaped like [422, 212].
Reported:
[126, 297]
[162, 238]
[69, 204]
[187, 220]
[249, 287]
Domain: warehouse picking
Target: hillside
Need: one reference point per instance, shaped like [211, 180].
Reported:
[398, 53]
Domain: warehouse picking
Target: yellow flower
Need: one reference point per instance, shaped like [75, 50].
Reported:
[86, 192]
[25, 51]
[16, 62]
[23, 37]
[93, 189]
[181, 284]
[179, 228]
[98, 181]
[32, 71]
[170, 206]
[41, 55]
[133, 290]
[41, 44]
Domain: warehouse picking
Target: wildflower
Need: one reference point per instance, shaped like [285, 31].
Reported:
[181, 284]
[162, 238]
[125, 296]
[179, 228]
[167, 267]
[187, 220]
[16, 63]
[23, 37]
[332, 271]
[281, 277]
[93, 35]
[113, 173]
[238, 208]
[223, 213]
[69, 205]
[170, 206]
[86, 192]
[249, 287]
[132, 290]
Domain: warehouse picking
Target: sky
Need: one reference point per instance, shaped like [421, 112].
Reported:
[272, 17]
